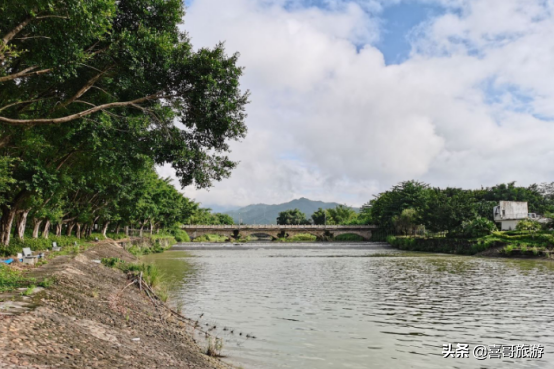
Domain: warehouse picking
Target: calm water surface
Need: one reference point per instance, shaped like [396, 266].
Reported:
[357, 308]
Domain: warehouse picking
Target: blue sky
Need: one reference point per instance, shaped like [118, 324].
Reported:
[349, 97]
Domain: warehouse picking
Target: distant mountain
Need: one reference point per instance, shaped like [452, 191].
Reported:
[267, 214]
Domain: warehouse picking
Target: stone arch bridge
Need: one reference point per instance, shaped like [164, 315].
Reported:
[276, 231]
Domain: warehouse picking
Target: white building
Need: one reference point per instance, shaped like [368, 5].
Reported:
[509, 213]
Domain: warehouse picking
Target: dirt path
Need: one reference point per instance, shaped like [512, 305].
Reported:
[85, 321]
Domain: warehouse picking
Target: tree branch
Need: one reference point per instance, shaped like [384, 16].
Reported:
[86, 87]
[84, 113]
[24, 73]
[18, 103]
[10, 35]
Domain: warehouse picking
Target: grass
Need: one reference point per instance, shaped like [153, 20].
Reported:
[150, 273]
[116, 236]
[302, 237]
[151, 245]
[211, 238]
[29, 291]
[11, 279]
[42, 244]
[517, 243]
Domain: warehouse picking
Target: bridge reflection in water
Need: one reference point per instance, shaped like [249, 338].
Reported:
[276, 231]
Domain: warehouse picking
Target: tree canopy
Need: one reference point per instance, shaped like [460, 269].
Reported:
[292, 217]
[94, 95]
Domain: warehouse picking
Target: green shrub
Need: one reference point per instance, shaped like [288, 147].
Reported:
[150, 273]
[529, 226]
[210, 238]
[11, 279]
[478, 227]
[180, 235]
[508, 249]
[117, 236]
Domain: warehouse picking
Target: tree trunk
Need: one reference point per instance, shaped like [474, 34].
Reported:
[105, 228]
[117, 228]
[84, 231]
[127, 231]
[70, 228]
[36, 227]
[151, 228]
[78, 232]
[46, 229]
[59, 229]
[89, 230]
[22, 223]
[8, 215]
[141, 228]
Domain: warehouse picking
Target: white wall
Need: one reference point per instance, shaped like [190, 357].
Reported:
[507, 225]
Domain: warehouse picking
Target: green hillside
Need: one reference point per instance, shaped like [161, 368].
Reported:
[267, 214]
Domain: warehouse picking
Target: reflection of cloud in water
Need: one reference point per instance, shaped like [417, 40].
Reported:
[326, 309]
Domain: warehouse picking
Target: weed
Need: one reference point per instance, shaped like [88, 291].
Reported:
[28, 291]
[215, 345]
[46, 282]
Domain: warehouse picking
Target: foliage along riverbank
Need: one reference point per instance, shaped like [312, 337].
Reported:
[16, 275]
[505, 244]
[94, 95]
[96, 314]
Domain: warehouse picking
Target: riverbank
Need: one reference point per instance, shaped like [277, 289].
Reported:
[91, 317]
[497, 244]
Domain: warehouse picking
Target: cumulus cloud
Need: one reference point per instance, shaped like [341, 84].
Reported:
[330, 120]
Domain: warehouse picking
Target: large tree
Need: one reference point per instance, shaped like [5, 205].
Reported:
[91, 91]
[292, 217]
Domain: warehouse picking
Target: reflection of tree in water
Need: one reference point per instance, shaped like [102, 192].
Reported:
[175, 267]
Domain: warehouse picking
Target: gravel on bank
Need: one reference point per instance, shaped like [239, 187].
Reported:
[88, 319]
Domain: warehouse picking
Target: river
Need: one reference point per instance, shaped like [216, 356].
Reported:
[344, 306]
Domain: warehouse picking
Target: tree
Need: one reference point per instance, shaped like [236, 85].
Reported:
[341, 215]
[406, 222]
[224, 219]
[386, 205]
[94, 92]
[446, 209]
[319, 217]
[291, 217]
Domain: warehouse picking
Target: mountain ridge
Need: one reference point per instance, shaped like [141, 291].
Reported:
[267, 213]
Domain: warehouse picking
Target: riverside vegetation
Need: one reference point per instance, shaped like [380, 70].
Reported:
[92, 95]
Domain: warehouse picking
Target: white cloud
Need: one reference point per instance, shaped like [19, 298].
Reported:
[329, 120]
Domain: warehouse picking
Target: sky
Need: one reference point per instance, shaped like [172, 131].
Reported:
[349, 97]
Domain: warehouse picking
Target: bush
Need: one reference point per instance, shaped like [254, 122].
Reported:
[210, 238]
[180, 235]
[508, 249]
[528, 225]
[10, 279]
[150, 273]
[478, 227]
[116, 236]
[349, 237]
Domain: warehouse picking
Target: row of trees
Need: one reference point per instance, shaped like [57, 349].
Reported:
[94, 94]
[334, 216]
[411, 204]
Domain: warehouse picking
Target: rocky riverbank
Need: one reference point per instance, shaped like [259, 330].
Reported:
[88, 319]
